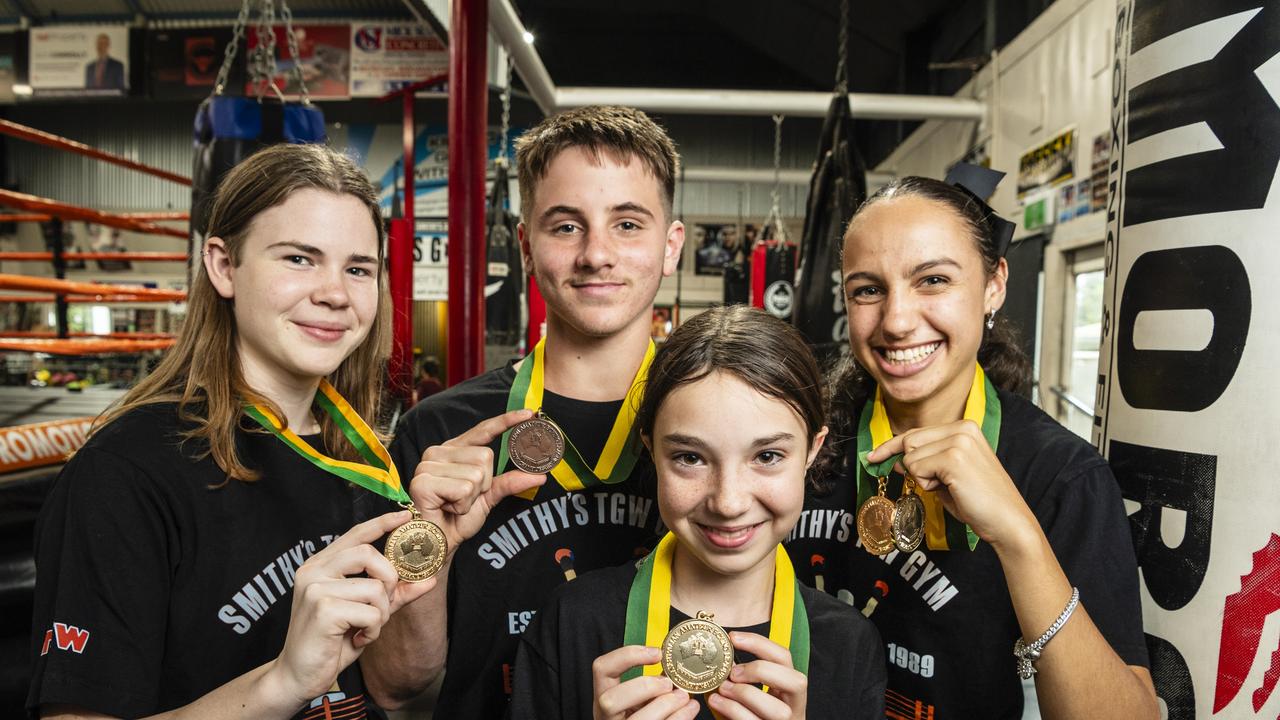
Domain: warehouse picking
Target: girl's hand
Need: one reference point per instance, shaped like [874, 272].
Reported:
[739, 698]
[336, 613]
[647, 697]
[955, 461]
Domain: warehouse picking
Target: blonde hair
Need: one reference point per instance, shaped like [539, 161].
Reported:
[202, 372]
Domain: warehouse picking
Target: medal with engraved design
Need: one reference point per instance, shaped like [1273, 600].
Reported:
[416, 549]
[908, 518]
[875, 523]
[536, 445]
[697, 655]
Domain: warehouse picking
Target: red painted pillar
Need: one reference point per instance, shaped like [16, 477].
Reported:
[400, 255]
[468, 122]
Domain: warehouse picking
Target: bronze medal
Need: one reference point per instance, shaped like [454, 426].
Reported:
[908, 518]
[416, 549]
[875, 523]
[697, 655]
[536, 445]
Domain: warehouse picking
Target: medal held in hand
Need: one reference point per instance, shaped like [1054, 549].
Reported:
[697, 655]
[875, 523]
[416, 549]
[908, 518]
[536, 445]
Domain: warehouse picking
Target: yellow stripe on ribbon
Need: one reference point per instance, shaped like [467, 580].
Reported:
[619, 435]
[384, 481]
[659, 614]
[975, 409]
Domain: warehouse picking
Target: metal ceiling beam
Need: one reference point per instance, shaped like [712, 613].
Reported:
[764, 176]
[504, 23]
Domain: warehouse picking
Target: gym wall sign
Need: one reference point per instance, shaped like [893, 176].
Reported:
[1187, 397]
[47, 443]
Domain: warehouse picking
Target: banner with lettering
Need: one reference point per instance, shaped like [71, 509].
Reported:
[1188, 400]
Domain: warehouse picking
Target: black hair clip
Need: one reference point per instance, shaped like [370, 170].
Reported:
[980, 183]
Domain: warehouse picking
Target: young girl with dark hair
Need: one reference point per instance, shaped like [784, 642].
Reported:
[196, 558]
[985, 541]
[733, 416]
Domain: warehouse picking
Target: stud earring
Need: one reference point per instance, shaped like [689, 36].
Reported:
[991, 320]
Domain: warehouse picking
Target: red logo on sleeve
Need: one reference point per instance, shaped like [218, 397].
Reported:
[67, 637]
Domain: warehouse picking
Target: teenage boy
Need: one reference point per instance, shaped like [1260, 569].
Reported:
[597, 234]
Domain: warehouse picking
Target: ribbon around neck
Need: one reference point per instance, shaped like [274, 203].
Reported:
[379, 476]
[622, 448]
[649, 607]
[942, 530]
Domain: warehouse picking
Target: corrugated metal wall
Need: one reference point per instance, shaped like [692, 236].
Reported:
[157, 134]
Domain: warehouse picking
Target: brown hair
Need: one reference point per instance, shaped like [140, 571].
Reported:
[621, 132]
[202, 372]
[1000, 355]
[764, 352]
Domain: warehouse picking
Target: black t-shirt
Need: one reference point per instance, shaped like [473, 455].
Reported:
[158, 580]
[527, 548]
[588, 618]
[946, 616]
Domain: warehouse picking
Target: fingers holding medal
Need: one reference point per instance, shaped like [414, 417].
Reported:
[697, 655]
[416, 549]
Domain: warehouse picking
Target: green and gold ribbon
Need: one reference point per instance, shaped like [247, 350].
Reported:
[378, 476]
[942, 530]
[621, 450]
[649, 607]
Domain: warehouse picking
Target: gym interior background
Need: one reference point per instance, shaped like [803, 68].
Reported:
[1141, 139]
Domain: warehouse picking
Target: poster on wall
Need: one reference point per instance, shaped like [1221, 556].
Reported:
[325, 52]
[388, 56]
[184, 64]
[431, 259]
[380, 152]
[90, 60]
[662, 323]
[1187, 400]
[1047, 164]
[715, 246]
[1101, 157]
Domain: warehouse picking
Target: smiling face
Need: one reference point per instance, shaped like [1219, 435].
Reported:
[917, 295]
[305, 289]
[730, 491]
[598, 242]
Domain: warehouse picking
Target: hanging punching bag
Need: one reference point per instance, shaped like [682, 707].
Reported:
[773, 273]
[504, 286]
[1187, 401]
[229, 129]
[838, 187]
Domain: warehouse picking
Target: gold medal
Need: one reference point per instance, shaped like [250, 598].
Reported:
[875, 523]
[908, 518]
[536, 445]
[416, 549]
[697, 655]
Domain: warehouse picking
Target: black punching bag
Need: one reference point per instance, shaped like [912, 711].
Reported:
[229, 129]
[504, 281]
[838, 187]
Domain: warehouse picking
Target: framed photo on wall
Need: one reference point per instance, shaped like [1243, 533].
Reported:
[663, 318]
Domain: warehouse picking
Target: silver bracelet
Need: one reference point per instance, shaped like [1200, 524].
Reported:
[1028, 654]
